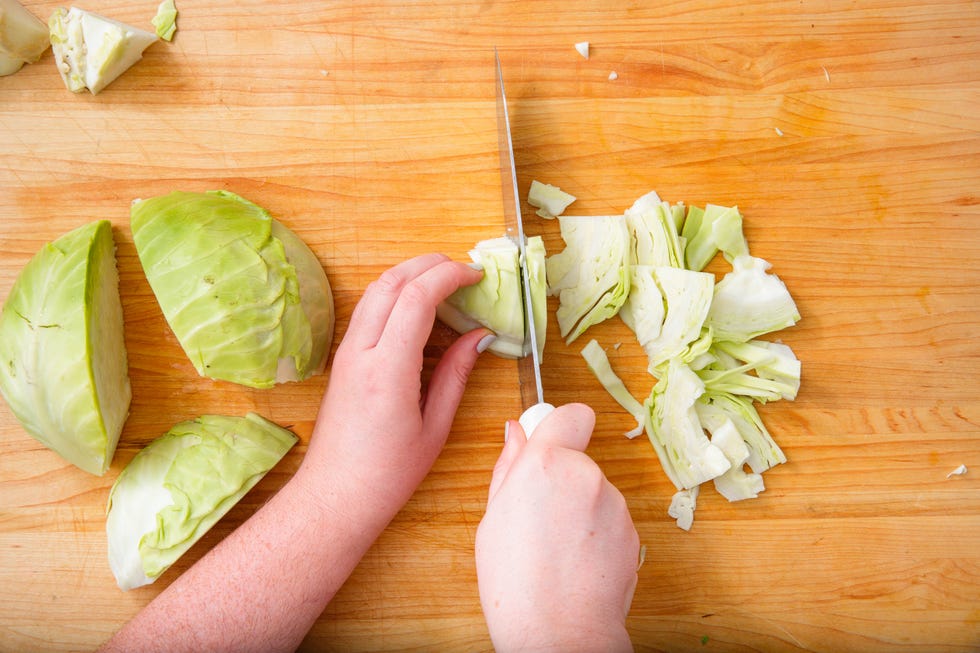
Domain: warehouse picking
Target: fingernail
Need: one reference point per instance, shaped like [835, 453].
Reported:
[485, 343]
[506, 430]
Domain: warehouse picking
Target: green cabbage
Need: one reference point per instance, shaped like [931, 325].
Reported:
[749, 302]
[591, 276]
[653, 225]
[247, 299]
[63, 367]
[676, 432]
[711, 229]
[496, 301]
[175, 489]
[165, 20]
[666, 309]
[91, 51]
[550, 200]
[23, 37]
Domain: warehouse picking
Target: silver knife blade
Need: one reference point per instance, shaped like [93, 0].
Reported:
[529, 365]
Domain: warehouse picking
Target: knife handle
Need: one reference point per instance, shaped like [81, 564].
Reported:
[533, 416]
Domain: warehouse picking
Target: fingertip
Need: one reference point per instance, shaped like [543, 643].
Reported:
[487, 339]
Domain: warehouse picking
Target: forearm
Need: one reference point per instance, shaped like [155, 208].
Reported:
[264, 585]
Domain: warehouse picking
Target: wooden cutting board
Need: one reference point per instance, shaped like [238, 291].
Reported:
[847, 133]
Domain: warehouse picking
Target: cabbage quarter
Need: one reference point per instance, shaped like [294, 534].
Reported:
[63, 367]
[246, 298]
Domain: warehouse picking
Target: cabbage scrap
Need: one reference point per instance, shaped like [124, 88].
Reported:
[666, 309]
[599, 364]
[165, 20]
[653, 226]
[676, 432]
[708, 230]
[550, 201]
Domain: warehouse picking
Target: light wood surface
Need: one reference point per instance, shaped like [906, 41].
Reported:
[848, 133]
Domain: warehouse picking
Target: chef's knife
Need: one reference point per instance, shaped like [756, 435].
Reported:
[529, 365]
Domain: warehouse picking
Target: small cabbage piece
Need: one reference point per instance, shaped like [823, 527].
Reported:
[23, 37]
[550, 201]
[165, 20]
[735, 484]
[91, 51]
[176, 488]
[538, 276]
[675, 429]
[748, 302]
[666, 309]
[653, 225]
[708, 230]
[777, 370]
[591, 276]
[247, 299]
[595, 357]
[682, 507]
[496, 301]
[63, 367]
[714, 408]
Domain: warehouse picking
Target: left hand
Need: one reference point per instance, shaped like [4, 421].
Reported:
[377, 424]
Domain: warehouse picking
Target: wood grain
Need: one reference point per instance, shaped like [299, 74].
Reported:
[847, 133]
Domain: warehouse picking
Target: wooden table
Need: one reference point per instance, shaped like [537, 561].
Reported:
[847, 133]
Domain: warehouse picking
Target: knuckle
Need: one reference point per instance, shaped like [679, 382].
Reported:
[389, 282]
[416, 294]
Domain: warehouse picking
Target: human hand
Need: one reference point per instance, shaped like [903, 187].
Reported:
[556, 551]
[377, 424]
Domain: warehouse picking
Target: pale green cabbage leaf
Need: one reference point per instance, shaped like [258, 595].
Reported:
[749, 302]
[676, 432]
[591, 276]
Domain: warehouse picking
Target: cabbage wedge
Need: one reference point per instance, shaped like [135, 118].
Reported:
[91, 50]
[176, 488]
[63, 368]
[247, 299]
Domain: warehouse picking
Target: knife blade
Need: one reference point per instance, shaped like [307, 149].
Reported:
[529, 365]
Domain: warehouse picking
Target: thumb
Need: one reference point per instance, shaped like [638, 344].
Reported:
[569, 426]
[448, 381]
[514, 443]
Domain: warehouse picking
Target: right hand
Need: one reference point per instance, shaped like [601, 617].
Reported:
[556, 551]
